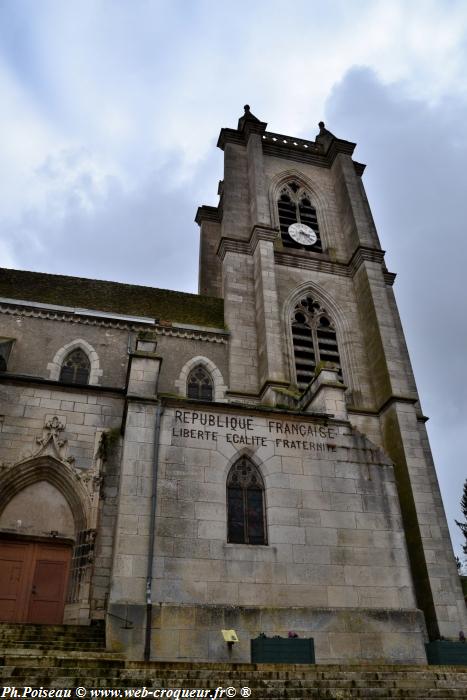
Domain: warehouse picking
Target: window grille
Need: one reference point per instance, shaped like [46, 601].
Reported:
[295, 206]
[75, 368]
[246, 522]
[314, 340]
[199, 384]
[83, 556]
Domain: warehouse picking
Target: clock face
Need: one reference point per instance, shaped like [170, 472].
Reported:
[303, 234]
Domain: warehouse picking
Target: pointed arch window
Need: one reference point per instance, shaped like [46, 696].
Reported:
[199, 384]
[294, 206]
[246, 517]
[75, 368]
[314, 340]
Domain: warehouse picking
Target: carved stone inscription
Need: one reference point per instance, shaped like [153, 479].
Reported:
[303, 436]
[240, 430]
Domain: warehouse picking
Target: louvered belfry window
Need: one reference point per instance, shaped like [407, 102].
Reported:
[314, 340]
[199, 384]
[75, 368]
[245, 504]
[295, 206]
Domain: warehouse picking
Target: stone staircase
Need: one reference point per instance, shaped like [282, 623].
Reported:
[57, 637]
[70, 656]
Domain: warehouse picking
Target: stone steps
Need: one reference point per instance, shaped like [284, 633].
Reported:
[167, 671]
[264, 693]
[52, 631]
[8, 641]
[53, 636]
[334, 682]
[129, 678]
[49, 646]
[70, 656]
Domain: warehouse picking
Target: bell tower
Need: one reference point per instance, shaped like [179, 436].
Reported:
[293, 250]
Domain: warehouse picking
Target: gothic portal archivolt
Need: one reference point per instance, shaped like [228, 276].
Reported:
[43, 523]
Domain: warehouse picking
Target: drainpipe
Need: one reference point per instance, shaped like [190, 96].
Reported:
[152, 533]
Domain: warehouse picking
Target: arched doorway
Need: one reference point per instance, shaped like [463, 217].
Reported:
[42, 518]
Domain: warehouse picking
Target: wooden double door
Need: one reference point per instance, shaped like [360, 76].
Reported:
[33, 581]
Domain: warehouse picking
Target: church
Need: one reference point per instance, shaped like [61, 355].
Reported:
[251, 458]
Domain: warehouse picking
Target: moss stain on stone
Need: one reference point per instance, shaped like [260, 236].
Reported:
[112, 297]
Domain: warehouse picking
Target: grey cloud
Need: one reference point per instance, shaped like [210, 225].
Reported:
[147, 236]
[416, 185]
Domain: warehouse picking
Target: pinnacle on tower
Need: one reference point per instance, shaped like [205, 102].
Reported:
[250, 119]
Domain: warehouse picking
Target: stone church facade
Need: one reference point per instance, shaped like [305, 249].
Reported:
[251, 458]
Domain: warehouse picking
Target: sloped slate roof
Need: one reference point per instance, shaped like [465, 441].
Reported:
[114, 297]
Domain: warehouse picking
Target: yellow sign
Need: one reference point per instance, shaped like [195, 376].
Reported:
[229, 636]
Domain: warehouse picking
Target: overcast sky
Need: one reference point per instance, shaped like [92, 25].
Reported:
[110, 112]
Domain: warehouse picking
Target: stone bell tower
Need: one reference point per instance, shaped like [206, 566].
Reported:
[293, 250]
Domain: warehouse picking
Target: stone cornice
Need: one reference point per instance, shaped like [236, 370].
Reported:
[319, 262]
[387, 403]
[220, 337]
[96, 318]
[208, 213]
[340, 146]
[262, 233]
[253, 127]
[231, 245]
[290, 147]
[389, 278]
[359, 168]
[67, 313]
[306, 151]
[312, 263]
[291, 154]
[55, 313]
[293, 144]
[363, 253]
[394, 399]
[230, 136]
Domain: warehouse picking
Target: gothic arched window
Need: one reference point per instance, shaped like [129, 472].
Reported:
[294, 205]
[246, 521]
[75, 368]
[199, 384]
[314, 340]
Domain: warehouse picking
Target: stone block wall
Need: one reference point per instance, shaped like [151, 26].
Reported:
[37, 340]
[340, 636]
[25, 410]
[335, 540]
[334, 524]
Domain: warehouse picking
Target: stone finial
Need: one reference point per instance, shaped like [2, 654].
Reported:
[248, 117]
[323, 131]
[324, 137]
